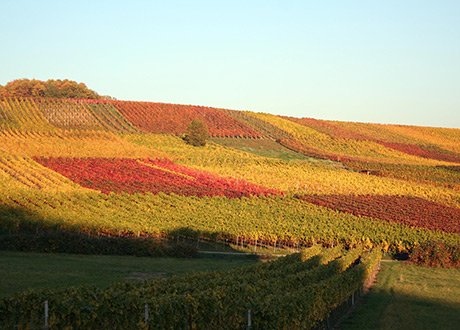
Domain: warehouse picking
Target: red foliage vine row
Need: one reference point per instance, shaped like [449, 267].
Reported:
[339, 132]
[174, 119]
[329, 128]
[422, 151]
[147, 175]
[412, 211]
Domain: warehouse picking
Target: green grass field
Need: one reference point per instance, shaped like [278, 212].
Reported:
[20, 271]
[410, 297]
[261, 147]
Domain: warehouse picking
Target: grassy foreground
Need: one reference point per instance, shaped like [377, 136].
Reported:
[20, 271]
[410, 297]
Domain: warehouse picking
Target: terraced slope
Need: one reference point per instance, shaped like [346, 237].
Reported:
[174, 119]
[86, 115]
[430, 143]
[118, 168]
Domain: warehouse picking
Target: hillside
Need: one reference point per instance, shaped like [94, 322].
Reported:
[114, 177]
[120, 168]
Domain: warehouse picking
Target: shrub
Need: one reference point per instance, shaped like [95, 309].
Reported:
[50, 88]
[435, 254]
[196, 134]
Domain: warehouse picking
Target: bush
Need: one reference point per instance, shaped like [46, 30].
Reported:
[435, 254]
[196, 134]
[50, 88]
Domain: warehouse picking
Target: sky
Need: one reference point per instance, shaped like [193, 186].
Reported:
[389, 61]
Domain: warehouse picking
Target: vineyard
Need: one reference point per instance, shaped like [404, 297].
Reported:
[304, 287]
[174, 119]
[412, 211]
[147, 175]
[390, 137]
[116, 177]
[77, 153]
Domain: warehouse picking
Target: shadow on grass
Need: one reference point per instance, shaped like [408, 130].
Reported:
[24, 230]
[391, 310]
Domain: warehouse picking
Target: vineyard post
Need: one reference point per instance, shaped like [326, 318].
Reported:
[146, 314]
[353, 299]
[328, 322]
[249, 320]
[46, 314]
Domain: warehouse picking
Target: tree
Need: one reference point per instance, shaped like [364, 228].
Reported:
[50, 88]
[196, 133]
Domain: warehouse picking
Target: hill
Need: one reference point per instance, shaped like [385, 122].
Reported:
[94, 176]
[121, 168]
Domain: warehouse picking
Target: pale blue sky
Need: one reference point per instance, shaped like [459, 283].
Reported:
[393, 61]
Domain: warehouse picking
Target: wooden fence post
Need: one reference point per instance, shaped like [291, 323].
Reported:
[146, 314]
[249, 320]
[46, 314]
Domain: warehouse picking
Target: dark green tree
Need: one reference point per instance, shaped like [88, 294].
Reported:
[196, 133]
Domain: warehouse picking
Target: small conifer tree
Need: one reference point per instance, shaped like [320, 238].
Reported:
[196, 133]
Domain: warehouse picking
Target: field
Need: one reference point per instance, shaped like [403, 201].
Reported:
[116, 178]
[22, 271]
[410, 297]
[264, 147]
[214, 300]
